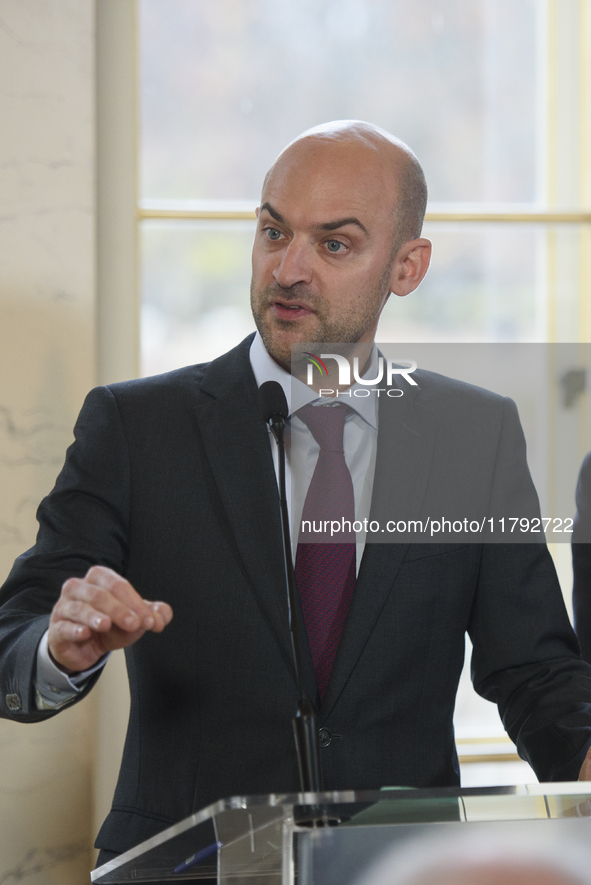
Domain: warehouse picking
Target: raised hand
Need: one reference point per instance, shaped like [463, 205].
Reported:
[99, 613]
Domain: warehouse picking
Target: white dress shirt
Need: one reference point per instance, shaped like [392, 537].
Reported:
[55, 689]
[359, 438]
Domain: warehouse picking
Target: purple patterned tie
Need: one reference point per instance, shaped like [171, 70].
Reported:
[325, 570]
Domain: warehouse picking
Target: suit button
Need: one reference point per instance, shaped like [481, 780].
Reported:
[13, 702]
[324, 737]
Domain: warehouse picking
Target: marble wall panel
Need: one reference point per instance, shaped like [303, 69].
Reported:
[47, 364]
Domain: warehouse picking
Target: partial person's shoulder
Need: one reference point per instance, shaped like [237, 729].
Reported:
[585, 471]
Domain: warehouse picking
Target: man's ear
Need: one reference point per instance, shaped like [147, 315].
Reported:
[257, 211]
[410, 266]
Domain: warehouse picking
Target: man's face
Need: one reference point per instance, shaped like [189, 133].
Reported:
[322, 255]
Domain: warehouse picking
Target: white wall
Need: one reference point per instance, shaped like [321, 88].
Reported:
[47, 364]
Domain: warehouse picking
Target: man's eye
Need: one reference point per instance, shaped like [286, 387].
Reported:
[272, 233]
[334, 245]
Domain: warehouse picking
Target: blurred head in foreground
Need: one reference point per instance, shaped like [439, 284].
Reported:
[484, 858]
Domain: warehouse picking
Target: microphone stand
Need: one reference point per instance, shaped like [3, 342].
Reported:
[305, 726]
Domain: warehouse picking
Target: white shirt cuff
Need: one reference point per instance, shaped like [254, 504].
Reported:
[54, 688]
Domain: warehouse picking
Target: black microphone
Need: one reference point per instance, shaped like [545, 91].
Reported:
[273, 407]
[273, 410]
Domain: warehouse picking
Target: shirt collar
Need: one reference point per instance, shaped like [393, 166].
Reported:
[299, 394]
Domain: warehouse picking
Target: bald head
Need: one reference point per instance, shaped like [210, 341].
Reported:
[336, 234]
[402, 182]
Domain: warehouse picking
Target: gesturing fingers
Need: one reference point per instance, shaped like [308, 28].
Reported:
[90, 605]
[162, 614]
[98, 613]
[122, 603]
[152, 615]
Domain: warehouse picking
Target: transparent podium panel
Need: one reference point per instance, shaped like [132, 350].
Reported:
[332, 838]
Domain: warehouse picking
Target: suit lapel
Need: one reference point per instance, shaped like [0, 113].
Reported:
[406, 437]
[238, 451]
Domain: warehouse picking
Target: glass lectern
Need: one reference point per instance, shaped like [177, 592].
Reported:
[330, 838]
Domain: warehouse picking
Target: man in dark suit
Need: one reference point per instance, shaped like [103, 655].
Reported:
[169, 492]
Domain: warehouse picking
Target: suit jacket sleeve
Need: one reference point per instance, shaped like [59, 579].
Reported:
[526, 656]
[83, 522]
[525, 659]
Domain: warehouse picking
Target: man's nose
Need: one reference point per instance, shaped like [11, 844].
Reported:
[295, 265]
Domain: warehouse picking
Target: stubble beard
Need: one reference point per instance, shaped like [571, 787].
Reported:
[343, 330]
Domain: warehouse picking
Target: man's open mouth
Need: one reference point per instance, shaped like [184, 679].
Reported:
[286, 310]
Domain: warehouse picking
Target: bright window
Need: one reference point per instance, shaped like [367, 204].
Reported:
[493, 96]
